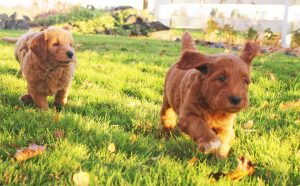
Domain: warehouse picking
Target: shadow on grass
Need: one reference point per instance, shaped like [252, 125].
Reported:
[147, 149]
[113, 112]
[10, 71]
[10, 100]
[281, 66]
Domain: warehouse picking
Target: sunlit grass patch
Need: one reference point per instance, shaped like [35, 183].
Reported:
[116, 94]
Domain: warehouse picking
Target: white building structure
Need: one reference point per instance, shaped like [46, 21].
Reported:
[279, 15]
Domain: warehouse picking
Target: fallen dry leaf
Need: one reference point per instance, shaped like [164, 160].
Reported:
[244, 168]
[56, 117]
[248, 125]
[273, 116]
[297, 122]
[133, 138]
[290, 105]
[29, 152]
[131, 104]
[111, 148]
[160, 147]
[81, 178]
[162, 52]
[59, 134]
[265, 104]
[6, 177]
[55, 176]
[271, 76]
[268, 175]
[155, 158]
[17, 107]
[193, 161]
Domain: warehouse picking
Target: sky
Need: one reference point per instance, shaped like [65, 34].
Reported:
[12, 3]
[96, 3]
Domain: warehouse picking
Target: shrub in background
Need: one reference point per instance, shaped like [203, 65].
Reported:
[96, 25]
[132, 22]
[296, 38]
[125, 22]
[271, 38]
[212, 26]
[251, 33]
[72, 15]
[228, 33]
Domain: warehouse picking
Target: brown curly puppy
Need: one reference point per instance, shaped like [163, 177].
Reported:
[47, 61]
[206, 91]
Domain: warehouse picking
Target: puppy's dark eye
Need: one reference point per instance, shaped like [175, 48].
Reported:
[55, 44]
[246, 81]
[71, 45]
[222, 78]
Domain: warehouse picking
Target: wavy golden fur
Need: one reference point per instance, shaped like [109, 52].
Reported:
[47, 61]
[206, 91]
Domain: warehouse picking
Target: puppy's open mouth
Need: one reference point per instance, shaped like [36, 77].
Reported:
[234, 109]
[65, 63]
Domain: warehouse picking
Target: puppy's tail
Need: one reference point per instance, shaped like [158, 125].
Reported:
[10, 39]
[187, 42]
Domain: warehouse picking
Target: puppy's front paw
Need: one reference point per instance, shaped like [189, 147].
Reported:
[26, 99]
[211, 146]
[58, 108]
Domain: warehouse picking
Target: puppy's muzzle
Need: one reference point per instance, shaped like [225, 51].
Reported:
[235, 100]
[70, 54]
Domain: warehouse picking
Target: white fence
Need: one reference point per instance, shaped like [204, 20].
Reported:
[278, 15]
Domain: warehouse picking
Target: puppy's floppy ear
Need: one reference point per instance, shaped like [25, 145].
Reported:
[38, 45]
[67, 27]
[193, 59]
[251, 49]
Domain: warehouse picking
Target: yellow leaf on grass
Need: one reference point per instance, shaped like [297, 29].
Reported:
[244, 168]
[29, 152]
[271, 76]
[56, 117]
[111, 148]
[273, 116]
[155, 158]
[81, 178]
[193, 161]
[17, 107]
[290, 105]
[133, 138]
[248, 125]
[160, 146]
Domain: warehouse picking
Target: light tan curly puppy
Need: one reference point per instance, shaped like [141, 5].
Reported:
[47, 61]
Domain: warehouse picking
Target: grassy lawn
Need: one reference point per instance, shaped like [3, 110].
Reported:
[116, 97]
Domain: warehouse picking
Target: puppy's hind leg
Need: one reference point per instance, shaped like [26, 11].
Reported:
[167, 116]
[40, 101]
[61, 98]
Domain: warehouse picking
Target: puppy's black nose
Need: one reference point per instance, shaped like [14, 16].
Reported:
[70, 54]
[235, 100]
